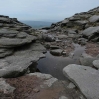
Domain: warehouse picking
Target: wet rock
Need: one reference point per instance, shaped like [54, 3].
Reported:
[96, 63]
[57, 52]
[86, 60]
[86, 79]
[94, 18]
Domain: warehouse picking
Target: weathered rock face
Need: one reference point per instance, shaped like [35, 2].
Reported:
[18, 47]
[86, 78]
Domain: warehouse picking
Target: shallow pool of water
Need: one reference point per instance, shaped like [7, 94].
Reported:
[54, 64]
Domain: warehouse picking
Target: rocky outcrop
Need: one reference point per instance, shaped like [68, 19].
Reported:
[18, 47]
[86, 24]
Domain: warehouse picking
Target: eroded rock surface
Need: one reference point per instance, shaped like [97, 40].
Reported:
[18, 47]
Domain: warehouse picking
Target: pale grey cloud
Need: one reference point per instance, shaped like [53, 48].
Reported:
[45, 9]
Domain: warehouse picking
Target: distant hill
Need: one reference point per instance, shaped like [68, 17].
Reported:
[37, 24]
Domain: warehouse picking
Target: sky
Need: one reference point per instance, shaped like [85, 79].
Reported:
[45, 10]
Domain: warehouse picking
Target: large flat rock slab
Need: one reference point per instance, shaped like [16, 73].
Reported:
[14, 42]
[86, 78]
[89, 32]
[94, 18]
[4, 87]
[12, 38]
[19, 62]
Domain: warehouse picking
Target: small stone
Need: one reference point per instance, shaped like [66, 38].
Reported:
[71, 86]
[63, 53]
[96, 63]
[36, 90]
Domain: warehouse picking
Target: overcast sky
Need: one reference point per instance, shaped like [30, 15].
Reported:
[45, 9]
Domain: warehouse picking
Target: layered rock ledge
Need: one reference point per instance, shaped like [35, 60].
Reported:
[19, 47]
